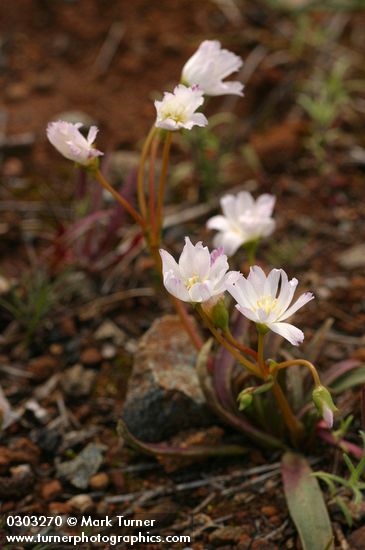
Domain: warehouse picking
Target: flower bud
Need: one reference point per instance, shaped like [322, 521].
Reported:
[324, 404]
[219, 315]
[244, 400]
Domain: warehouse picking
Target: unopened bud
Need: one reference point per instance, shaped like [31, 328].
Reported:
[324, 404]
[219, 315]
[244, 400]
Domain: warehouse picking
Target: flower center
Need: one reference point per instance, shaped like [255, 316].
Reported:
[192, 281]
[176, 113]
[267, 303]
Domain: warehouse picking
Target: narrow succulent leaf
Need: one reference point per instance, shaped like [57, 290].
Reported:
[161, 449]
[327, 480]
[339, 369]
[238, 422]
[314, 347]
[306, 504]
[344, 509]
[343, 444]
[223, 367]
[350, 466]
[355, 377]
[361, 465]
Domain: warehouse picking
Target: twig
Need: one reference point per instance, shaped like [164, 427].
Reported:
[164, 490]
[249, 483]
[108, 49]
[20, 373]
[277, 531]
[88, 311]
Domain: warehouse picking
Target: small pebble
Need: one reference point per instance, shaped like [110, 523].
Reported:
[99, 481]
[108, 351]
[269, 511]
[59, 508]
[51, 489]
[91, 356]
[56, 349]
[81, 503]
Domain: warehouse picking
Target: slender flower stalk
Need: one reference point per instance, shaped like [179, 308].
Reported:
[260, 353]
[285, 364]
[151, 180]
[238, 345]
[185, 320]
[141, 169]
[251, 367]
[132, 211]
[162, 185]
[294, 425]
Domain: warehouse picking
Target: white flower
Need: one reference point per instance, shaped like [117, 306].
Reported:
[244, 220]
[199, 276]
[209, 65]
[258, 299]
[177, 110]
[69, 141]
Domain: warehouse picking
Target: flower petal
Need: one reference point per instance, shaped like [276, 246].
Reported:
[291, 333]
[176, 287]
[230, 242]
[302, 300]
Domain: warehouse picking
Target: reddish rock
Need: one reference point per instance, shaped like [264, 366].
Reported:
[43, 367]
[99, 481]
[18, 484]
[59, 508]
[261, 544]
[5, 457]
[21, 451]
[51, 489]
[269, 511]
[118, 480]
[225, 535]
[91, 356]
[56, 349]
[357, 539]
[68, 326]
[244, 542]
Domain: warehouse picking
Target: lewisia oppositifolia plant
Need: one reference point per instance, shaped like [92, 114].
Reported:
[260, 404]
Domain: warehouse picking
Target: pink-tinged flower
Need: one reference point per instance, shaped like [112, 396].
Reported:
[259, 299]
[177, 109]
[244, 220]
[209, 65]
[199, 276]
[324, 404]
[69, 141]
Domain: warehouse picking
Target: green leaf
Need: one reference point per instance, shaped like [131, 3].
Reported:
[344, 509]
[306, 504]
[355, 377]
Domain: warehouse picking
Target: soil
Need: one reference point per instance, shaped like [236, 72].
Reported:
[52, 62]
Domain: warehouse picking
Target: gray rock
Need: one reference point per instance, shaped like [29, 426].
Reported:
[79, 470]
[353, 258]
[164, 395]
